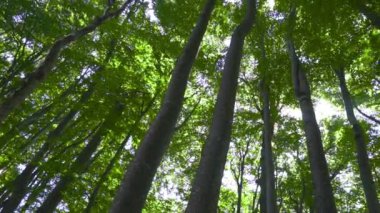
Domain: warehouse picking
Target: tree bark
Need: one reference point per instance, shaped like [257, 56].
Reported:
[323, 193]
[262, 198]
[361, 149]
[255, 192]
[268, 170]
[81, 162]
[239, 174]
[139, 176]
[39, 75]
[269, 180]
[206, 187]
[20, 184]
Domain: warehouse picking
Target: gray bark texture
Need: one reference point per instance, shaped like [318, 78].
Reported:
[361, 147]
[269, 180]
[140, 173]
[206, 187]
[20, 184]
[323, 193]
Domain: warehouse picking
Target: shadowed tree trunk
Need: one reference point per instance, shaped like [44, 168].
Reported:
[269, 181]
[205, 190]
[323, 193]
[39, 75]
[5, 139]
[262, 198]
[239, 173]
[20, 184]
[361, 149]
[255, 192]
[81, 162]
[268, 169]
[140, 173]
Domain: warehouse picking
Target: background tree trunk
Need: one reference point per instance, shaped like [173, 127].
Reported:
[81, 162]
[361, 149]
[20, 185]
[323, 194]
[47, 65]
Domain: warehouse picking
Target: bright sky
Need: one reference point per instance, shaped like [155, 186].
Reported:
[153, 18]
[323, 109]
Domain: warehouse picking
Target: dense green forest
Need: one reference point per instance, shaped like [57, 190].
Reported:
[189, 106]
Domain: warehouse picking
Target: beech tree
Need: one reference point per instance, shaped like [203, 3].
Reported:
[189, 106]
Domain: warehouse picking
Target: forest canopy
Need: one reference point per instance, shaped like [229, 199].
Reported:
[189, 106]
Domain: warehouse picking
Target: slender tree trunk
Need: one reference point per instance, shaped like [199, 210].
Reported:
[239, 191]
[94, 194]
[205, 191]
[254, 199]
[140, 173]
[92, 198]
[239, 175]
[263, 191]
[269, 180]
[81, 162]
[268, 169]
[47, 65]
[323, 193]
[6, 138]
[361, 149]
[34, 194]
[20, 184]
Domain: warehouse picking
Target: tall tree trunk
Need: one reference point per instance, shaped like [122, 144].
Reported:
[239, 191]
[38, 76]
[263, 191]
[269, 180]
[206, 187]
[81, 162]
[20, 184]
[138, 178]
[361, 149]
[323, 193]
[115, 158]
[239, 175]
[254, 206]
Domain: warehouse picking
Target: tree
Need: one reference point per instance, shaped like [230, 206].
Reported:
[361, 149]
[47, 65]
[205, 190]
[324, 198]
[218, 126]
[137, 180]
